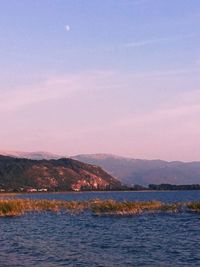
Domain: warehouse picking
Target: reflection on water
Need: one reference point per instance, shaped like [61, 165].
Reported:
[84, 240]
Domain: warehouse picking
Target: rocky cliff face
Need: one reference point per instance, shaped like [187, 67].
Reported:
[62, 174]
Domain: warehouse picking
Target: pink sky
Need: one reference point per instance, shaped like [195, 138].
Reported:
[120, 77]
[89, 112]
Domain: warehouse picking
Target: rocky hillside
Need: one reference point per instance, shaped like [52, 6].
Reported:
[136, 171]
[61, 174]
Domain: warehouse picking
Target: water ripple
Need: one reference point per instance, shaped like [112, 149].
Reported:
[51, 240]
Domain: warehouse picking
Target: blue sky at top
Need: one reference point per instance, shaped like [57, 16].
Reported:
[33, 35]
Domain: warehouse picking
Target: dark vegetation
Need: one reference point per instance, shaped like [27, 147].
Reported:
[174, 187]
[164, 187]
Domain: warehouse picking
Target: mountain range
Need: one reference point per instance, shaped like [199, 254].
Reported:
[131, 171]
[144, 172]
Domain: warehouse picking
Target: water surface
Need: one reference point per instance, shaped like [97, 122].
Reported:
[49, 239]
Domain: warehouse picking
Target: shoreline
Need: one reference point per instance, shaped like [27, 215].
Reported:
[92, 191]
[82, 192]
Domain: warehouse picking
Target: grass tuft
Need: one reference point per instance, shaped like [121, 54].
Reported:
[193, 206]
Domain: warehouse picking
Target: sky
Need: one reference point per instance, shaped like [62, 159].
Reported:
[117, 76]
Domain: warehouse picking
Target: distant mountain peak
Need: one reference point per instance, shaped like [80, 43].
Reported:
[101, 156]
[37, 155]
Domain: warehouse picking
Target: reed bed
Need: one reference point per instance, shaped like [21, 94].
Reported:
[112, 207]
[193, 206]
[17, 207]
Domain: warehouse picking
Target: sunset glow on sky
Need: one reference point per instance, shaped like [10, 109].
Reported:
[117, 76]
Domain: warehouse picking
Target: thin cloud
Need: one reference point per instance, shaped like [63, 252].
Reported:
[72, 85]
[157, 40]
[54, 88]
[144, 42]
[136, 2]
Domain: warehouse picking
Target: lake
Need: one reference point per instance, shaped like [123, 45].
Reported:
[49, 239]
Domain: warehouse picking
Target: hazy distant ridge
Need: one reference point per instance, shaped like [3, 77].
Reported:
[144, 172]
[37, 155]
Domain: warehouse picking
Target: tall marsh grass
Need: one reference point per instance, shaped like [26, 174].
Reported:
[17, 207]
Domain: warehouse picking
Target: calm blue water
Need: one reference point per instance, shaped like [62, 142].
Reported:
[49, 239]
